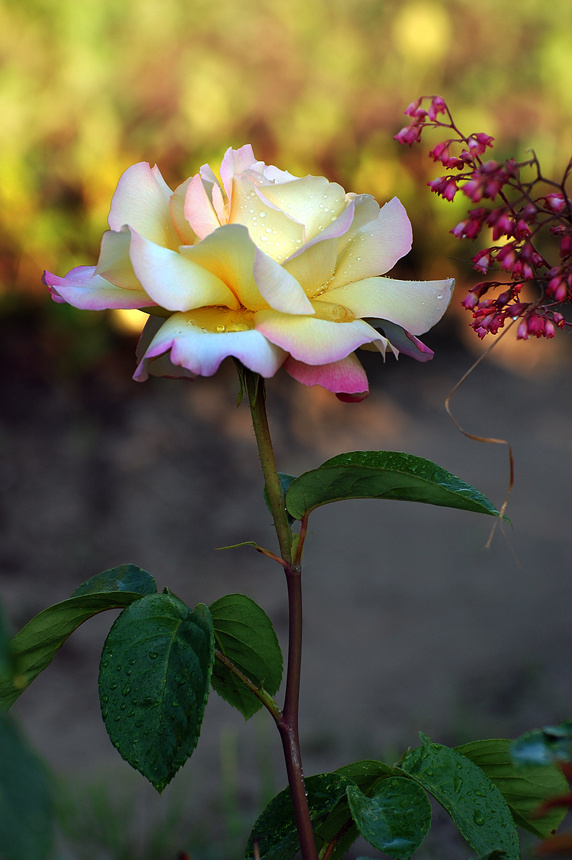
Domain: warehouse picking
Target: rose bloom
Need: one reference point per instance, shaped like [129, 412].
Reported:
[275, 270]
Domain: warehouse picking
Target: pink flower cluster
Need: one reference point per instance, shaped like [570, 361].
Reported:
[519, 219]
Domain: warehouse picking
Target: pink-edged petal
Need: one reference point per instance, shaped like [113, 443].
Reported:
[401, 341]
[346, 376]
[201, 352]
[270, 229]
[160, 366]
[234, 162]
[278, 287]
[83, 289]
[141, 201]
[228, 253]
[184, 230]
[174, 282]
[376, 246]
[198, 209]
[312, 201]
[114, 262]
[316, 341]
[366, 209]
[414, 305]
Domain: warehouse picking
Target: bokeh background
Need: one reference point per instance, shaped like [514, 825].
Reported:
[411, 625]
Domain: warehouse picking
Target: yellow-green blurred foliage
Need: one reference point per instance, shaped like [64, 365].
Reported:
[317, 86]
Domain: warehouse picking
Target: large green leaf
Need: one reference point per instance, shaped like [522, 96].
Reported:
[338, 827]
[523, 787]
[244, 633]
[474, 803]
[274, 831]
[34, 647]
[382, 475]
[26, 814]
[154, 682]
[395, 818]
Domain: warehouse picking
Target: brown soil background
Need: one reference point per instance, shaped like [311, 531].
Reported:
[410, 623]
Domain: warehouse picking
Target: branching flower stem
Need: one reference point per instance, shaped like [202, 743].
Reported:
[287, 722]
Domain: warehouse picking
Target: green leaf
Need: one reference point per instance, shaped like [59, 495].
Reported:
[285, 482]
[126, 577]
[474, 803]
[244, 633]
[34, 647]
[543, 746]
[382, 475]
[26, 814]
[523, 787]
[338, 826]
[275, 830]
[154, 682]
[395, 819]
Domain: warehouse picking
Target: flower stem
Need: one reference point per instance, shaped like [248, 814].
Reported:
[288, 722]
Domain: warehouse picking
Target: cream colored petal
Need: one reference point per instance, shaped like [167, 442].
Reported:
[315, 341]
[114, 262]
[365, 209]
[235, 162]
[312, 201]
[414, 305]
[184, 230]
[141, 201]
[314, 266]
[376, 246]
[194, 345]
[229, 253]
[278, 287]
[174, 282]
[271, 230]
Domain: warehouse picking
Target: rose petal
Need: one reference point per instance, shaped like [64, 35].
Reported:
[345, 376]
[311, 201]
[173, 281]
[177, 210]
[198, 209]
[201, 352]
[402, 341]
[235, 162]
[228, 253]
[141, 201]
[114, 262]
[315, 341]
[278, 287]
[376, 246]
[271, 230]
[413, 305]
[82, 288]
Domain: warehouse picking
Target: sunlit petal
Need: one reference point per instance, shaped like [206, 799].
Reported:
[198, 208]
[173, 281]
[228, 252]
[311, 201]
[114, 262]
[141, 201]
[82, 288]
[315, 341]
[271, 230]
[413, 305]
[376, 246]
[278, 287]
[234, 162]
[201, 350]
[184, 230]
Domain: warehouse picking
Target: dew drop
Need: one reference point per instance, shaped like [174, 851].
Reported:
[105, 663]
[126, 690]
[113, 686]
[439, 297]
[269, 230]
[263, 238]
[122, 706]
[153, 655]
[262, 214]
[358, 259]
[478, 818]
[105, 698]
[219, 328]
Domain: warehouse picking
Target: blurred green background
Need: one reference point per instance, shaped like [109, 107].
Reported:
[317, 86]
